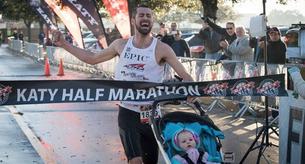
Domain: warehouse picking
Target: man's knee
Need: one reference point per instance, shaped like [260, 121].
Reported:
[136, 160]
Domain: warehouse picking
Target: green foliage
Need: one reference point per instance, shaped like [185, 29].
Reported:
[17, 10]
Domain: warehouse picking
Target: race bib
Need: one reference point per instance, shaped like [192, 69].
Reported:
[145, 114]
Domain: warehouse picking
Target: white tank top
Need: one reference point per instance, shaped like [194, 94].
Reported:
[137, 64]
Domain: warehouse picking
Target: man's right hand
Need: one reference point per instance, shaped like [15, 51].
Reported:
[58, 38]
[224, 44]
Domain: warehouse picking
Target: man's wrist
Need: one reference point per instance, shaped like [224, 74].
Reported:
[65, 45]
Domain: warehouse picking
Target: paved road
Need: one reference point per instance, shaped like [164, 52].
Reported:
[14, 145]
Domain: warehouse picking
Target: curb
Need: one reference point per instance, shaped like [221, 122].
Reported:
[46, 154]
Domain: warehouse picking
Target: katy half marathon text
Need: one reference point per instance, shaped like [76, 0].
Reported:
[101, 94]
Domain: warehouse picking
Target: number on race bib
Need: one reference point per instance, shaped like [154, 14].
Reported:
[144, 115]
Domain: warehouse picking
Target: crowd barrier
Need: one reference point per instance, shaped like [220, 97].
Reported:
[199, 69]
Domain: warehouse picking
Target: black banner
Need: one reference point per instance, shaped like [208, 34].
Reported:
[59, 91]
[44, 12]
[87, 11]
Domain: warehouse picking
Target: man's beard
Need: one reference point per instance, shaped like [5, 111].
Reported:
[143, 31]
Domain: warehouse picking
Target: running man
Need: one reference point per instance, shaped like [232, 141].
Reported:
[151, 54]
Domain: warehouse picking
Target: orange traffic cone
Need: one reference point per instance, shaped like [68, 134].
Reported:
[60, 68]
[46, 67]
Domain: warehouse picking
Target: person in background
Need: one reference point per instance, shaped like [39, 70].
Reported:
[276, 48]
[240, 48]
[276, 54]
[68, 38]
[168, 37]
[162, 29]
[15, 35]
[41, 37]
[141, 49]
[228, 33]
[180, 47]
[159, 36]
[20, 36]
[211, 42]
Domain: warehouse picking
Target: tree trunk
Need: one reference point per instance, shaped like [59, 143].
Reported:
[28, 26]
[131, 8]
[40, 26]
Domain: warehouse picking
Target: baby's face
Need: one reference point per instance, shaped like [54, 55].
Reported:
[186, 140]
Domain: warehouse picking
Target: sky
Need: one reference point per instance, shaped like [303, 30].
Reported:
[256, 6]
[249, 8]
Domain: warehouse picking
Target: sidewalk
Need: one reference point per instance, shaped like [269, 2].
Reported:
[14, 146]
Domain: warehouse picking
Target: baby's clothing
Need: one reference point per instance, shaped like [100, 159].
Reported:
[193, 154]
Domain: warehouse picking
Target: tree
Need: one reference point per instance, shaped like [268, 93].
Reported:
[19, 10]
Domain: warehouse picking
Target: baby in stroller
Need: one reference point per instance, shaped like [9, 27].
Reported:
[187, 137]
[192, 143]
[188, 142]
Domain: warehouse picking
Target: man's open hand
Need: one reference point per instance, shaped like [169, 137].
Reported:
[57, 38]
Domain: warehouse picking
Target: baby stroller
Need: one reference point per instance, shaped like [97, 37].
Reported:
[166, 127]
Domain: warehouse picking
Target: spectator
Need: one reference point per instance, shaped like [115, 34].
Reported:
[162, 29]
[180, 46]
[15, 35]
[68, 38]
[276, 54]
[41, 37]
[174, 27]
[159, 36]
[20, 36]
[211, 40]
[240, 48]
[228, 33]
[168, 37]
[49, 42]
[276, 48]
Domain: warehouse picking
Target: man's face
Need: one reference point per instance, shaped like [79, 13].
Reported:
[143, 20]
[274, 36]
[240, 32]
[230, 29]
[173, 27]
[177, 36]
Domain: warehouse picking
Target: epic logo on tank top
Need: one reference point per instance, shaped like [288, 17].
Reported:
[137, 64]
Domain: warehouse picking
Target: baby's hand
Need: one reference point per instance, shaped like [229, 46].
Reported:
[193, 154]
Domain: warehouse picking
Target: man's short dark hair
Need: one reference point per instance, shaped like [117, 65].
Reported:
[134, 12]
[232, 23]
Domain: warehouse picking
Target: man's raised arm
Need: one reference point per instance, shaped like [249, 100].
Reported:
[86, 55]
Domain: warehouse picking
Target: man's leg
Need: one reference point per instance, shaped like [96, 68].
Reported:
[149, 146]
[129, 134]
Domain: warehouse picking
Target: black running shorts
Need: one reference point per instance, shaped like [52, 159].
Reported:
[137, 138]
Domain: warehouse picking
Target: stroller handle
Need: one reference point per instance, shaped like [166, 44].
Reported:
[171, 98]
